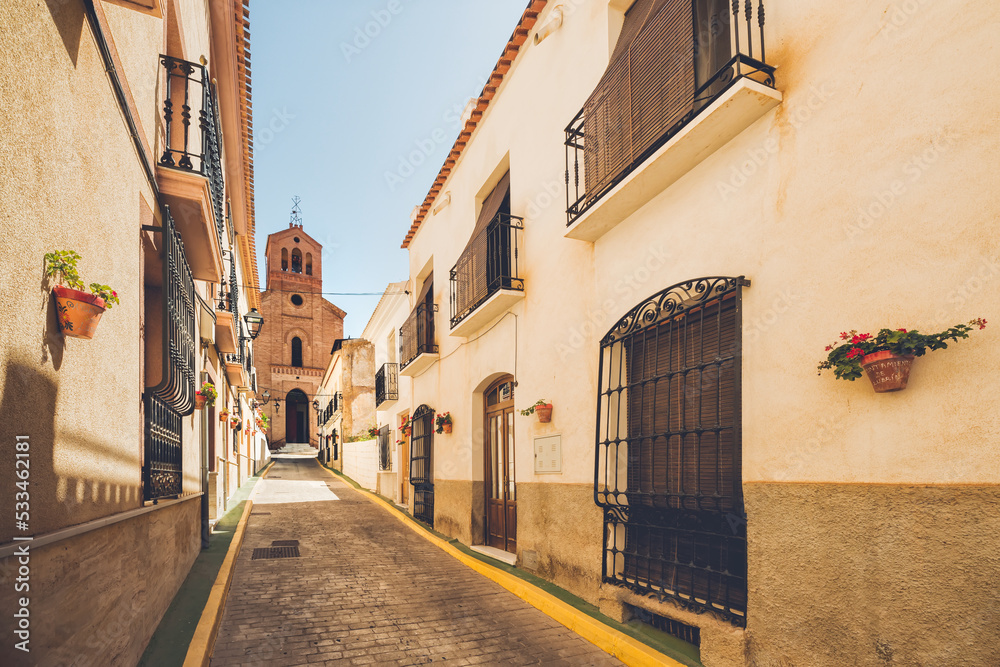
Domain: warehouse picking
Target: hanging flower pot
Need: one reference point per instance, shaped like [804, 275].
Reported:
[543, 409]
[443, 423]
[234, 422]
[199, 401]
[888, 356]
[887, 371]
[78, 312]
[224, 415]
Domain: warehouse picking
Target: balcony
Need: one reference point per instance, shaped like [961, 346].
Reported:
[189, 171]
[386, 386]
[620, 155]
[485, 282]
[416, 341]
[234, 370]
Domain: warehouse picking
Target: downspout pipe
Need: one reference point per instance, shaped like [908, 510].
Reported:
[119, 90]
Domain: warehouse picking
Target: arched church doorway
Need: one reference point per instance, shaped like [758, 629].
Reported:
[296, 416]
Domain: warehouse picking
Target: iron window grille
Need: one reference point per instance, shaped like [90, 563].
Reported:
[192, 134]
[173, 397]
[386, 384]
[338, 403]
[673, 59]
[421, 463]
[416, 336]
[488, 265]
[384, 449]
[667, 468]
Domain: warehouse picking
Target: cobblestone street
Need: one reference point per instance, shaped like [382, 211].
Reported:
[366, 590]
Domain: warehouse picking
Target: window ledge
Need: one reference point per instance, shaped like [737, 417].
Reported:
[734, 111]
[498, 303]
[420, 363]
[387, 403]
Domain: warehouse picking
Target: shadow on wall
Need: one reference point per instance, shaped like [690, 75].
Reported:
[53, 342]
[69, 18]
[28, 408]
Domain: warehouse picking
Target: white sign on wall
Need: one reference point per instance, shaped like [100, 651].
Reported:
[548, 454]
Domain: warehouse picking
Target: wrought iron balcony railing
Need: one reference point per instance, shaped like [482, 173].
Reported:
[386, 384]
[338, 403]
[192, 135]
[416, 336]
[489, 264]
[655, 86]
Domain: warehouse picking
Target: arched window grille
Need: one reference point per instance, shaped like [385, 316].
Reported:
[297, 352]
[668, 462]
[421, 464]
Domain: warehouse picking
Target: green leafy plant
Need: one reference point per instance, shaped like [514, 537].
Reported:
[263, 421]
[61, 266]
[208, 391]
[441, 420]
[527, 412]
[845, 359]
[105, 292]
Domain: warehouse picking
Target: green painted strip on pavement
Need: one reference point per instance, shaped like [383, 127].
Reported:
[169, 643]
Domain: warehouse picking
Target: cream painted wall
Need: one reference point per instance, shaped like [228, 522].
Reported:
[793, 228]
[68, 179]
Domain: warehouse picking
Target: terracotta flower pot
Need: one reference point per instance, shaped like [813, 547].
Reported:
[78, 312]
[887, 371]
[446, 428]
[544, 413]
[223, 416]
[199, 402]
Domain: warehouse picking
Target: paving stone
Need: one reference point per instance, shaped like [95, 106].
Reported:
[367, 590]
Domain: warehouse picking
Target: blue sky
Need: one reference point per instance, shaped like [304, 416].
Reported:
[346, 93]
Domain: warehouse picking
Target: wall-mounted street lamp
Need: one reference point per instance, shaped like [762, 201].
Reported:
[254, 322]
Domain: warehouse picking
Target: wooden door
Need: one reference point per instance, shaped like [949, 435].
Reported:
[501, 490]
[404, 464]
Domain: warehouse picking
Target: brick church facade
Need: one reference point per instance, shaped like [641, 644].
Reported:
[294, 346]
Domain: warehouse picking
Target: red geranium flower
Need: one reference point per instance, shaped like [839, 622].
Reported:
[903, 330]
[855, 352]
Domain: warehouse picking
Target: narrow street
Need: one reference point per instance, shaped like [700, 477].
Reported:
[365, 589]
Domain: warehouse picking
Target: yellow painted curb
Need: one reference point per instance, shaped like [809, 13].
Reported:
[203, 642]
[625, 648]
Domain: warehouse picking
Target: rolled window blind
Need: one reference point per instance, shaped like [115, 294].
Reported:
[648, 86]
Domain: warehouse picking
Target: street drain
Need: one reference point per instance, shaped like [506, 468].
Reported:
[275, 552]
[285, 543]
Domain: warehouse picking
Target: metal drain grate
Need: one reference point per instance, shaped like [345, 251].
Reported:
[275, 552]
[285, 543]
